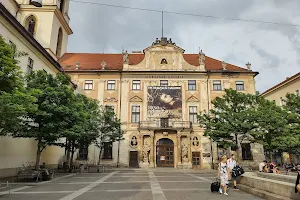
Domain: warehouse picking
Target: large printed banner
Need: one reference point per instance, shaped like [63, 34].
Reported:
[164, 102]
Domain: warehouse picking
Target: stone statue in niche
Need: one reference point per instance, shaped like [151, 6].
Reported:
[125, 57]
[134, 141]
[184, 151]
[195, 141]
[146, 149]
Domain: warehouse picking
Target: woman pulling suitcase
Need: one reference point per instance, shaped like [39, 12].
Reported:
[223, 174]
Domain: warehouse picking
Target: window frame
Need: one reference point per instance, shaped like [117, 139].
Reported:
[239, 86]
[217, 85]
[163, 85]
[88, 84]
[136, 85]
[111, 83]
[193, 114]
[107, 150]
[30, 63]
[193, 84]
[83, 155]
[135, 114]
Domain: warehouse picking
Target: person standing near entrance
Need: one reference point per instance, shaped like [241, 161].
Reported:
[231, 163]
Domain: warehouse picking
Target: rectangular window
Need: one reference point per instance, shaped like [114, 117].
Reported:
[111, 85]
[192, 85]
[163, 83]
[217, 85]
[88, 85]
[110, 108]
[29, 66]
[239, 85]
[14, 47]
[107, 150]
[136, 85]
[246, 151]
[83, 153]
[193, 114]
[135, 114]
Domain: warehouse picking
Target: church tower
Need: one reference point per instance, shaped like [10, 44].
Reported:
[48, 24]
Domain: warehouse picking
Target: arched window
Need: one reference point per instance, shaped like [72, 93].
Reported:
[30, 24]
[163, 61]
[61, 6]
[59, 42]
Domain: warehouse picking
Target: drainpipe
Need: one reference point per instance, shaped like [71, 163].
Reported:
[208, 100]
[120, 108]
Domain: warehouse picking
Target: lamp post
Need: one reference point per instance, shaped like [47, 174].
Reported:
[36, 3]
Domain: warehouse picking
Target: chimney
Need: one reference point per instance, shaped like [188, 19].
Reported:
[77, 65]
[103, 64]
[248, 66]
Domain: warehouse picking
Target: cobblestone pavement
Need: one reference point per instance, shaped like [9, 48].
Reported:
[124, 185]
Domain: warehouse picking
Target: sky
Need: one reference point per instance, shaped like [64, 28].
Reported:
[273, 50]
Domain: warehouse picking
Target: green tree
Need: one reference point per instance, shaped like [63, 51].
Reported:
[45, 124]
[109, 129]
[230, 119]
[10, 72]
[14, 100]
[271, 121]
[290, 140]
[83, 124]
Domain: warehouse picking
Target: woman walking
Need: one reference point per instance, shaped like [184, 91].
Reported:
[223, 175]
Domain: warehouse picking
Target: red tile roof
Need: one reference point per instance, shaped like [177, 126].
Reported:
[281, 84]
[115, 61]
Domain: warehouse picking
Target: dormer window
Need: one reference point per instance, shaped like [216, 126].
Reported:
[163, 61]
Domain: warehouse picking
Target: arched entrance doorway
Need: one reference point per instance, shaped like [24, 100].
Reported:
[165, 153]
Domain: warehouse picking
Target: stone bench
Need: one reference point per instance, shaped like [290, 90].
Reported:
[268, 188]
[278, 177]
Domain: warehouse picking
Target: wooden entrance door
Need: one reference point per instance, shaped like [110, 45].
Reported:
[196, 159]
[133, 159]
[165, 153]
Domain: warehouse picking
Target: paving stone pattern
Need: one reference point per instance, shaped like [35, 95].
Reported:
[124, 185]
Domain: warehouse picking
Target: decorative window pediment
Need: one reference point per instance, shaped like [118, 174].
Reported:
[136, 99]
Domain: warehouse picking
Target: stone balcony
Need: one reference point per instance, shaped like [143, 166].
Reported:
[165, 124]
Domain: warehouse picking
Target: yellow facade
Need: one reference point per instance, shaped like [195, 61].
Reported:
[150, 71]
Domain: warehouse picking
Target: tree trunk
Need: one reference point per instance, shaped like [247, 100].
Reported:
[237, 148]
[38, 156]
[100, 152]
[68, 153]
[72, 157]
[271, 156]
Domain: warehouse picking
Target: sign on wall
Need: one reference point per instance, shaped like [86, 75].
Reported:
[164, 101]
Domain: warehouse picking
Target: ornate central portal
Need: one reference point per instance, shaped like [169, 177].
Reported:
[165, 153]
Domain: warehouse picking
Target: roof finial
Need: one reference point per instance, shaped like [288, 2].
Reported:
[77, 65]
[248, 66]
[125, 57]
[224, 64]
[103, 64]
[202, 57]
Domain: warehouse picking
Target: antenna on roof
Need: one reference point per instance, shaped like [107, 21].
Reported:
[162, 24]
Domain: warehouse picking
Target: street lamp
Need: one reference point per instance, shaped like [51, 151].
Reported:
[36, 3]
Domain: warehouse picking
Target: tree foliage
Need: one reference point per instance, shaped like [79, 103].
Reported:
[109, 129]
[231, 117]
[45, 123]
[238, 115]
[14, 100]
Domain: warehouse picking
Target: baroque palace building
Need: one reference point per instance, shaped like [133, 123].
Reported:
[157, 94]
